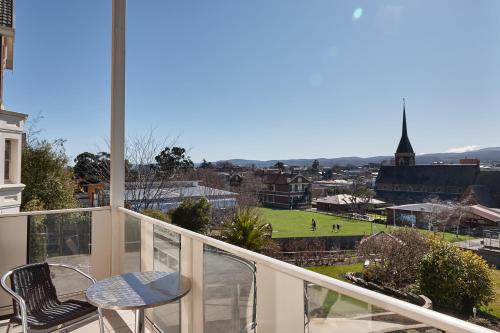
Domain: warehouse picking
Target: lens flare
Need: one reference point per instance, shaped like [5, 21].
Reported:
[356, 15]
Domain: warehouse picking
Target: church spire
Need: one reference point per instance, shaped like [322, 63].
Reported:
[405, 132]
[405, 154]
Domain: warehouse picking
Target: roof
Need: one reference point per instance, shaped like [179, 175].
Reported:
[490, 179]
[434, 175]
[426, 207]
[178, 191]
[485, 212]
[404, 146]
[344, 199]
[284, 178]
[6, 13]
[480, 194]
[382, 235]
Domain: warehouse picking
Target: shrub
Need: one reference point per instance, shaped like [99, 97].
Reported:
[157, 214]
[192, 215]
[455, 279]
[247, 229]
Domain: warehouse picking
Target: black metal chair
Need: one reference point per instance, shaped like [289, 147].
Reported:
[35, 302]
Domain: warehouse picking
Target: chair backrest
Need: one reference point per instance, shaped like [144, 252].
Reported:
[33, 283]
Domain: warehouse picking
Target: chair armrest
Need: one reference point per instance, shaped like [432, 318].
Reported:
[91, 278]
[18, 298]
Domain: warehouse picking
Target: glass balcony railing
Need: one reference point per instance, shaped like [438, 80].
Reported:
[233, 290]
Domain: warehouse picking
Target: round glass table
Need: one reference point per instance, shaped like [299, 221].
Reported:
[138, 291]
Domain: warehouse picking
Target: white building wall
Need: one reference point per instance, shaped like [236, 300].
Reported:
[11, 128]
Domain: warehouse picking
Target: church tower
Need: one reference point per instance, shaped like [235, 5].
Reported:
[405, 156]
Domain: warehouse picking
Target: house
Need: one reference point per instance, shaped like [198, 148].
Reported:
[11, 123]
[285, 190]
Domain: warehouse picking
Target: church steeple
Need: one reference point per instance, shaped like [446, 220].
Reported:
[405, 156]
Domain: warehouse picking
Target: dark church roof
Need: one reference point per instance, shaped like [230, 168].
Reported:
[479, 194]
[491, 180]
[6, 13]
[404, 146]
[456, 175]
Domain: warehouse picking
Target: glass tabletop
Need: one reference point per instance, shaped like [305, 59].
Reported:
[138, 290]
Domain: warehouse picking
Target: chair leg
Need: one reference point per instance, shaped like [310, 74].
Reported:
[8, 328]
[101, 321]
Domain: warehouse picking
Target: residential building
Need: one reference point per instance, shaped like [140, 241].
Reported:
[285, 190]
[11, 123]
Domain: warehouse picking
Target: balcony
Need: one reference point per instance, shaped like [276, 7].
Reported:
[234, 290]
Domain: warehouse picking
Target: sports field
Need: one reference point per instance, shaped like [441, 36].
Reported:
[297, 223]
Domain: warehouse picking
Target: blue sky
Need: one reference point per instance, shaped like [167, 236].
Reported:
[266, 79]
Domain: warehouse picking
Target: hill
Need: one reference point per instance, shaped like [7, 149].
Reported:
[485, 155]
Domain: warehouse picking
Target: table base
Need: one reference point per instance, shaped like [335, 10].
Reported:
[139, 321]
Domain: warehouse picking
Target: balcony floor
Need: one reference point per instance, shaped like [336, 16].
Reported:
[114, 321]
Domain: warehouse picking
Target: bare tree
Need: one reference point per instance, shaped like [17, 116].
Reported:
[393, 257]
[248, 191]
[447, 215]
[148, 185]
[359, 196]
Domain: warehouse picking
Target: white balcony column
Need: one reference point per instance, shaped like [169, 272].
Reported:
[117, 181]
[192, 317]
[280, 302]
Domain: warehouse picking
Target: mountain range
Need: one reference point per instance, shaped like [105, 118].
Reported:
[484, 155]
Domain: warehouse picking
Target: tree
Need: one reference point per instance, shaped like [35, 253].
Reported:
[37, 249]
[446, 215]
[327, 174]
[455, 279]
[360, 196]
[47, 177]
[315, 166]
[395, 257]
[157, 214]
[171, 160]
[92, 168]
[279, 165]
[148, 183]
[225, 165]
[192, 215]
[206, 165]
[247, 229]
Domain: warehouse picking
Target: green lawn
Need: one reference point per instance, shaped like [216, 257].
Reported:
[494, 307]
[297, 223]
[337, 272]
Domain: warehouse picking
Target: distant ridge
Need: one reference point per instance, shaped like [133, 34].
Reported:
[485, 155]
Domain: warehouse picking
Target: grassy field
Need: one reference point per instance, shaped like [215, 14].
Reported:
[494, 307]
[297, 223]
[337, 272]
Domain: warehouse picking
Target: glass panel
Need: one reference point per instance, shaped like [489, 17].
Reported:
[229, 292]
[167, 257]
[329, 311]
[132, 246]
[65, 239]
[8, 150]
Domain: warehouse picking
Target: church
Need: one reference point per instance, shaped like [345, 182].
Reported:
[407, 182]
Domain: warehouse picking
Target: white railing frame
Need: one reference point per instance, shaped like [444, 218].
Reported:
[55, 211]
[428, 317]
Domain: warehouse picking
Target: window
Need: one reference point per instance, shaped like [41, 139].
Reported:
[8, 150]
